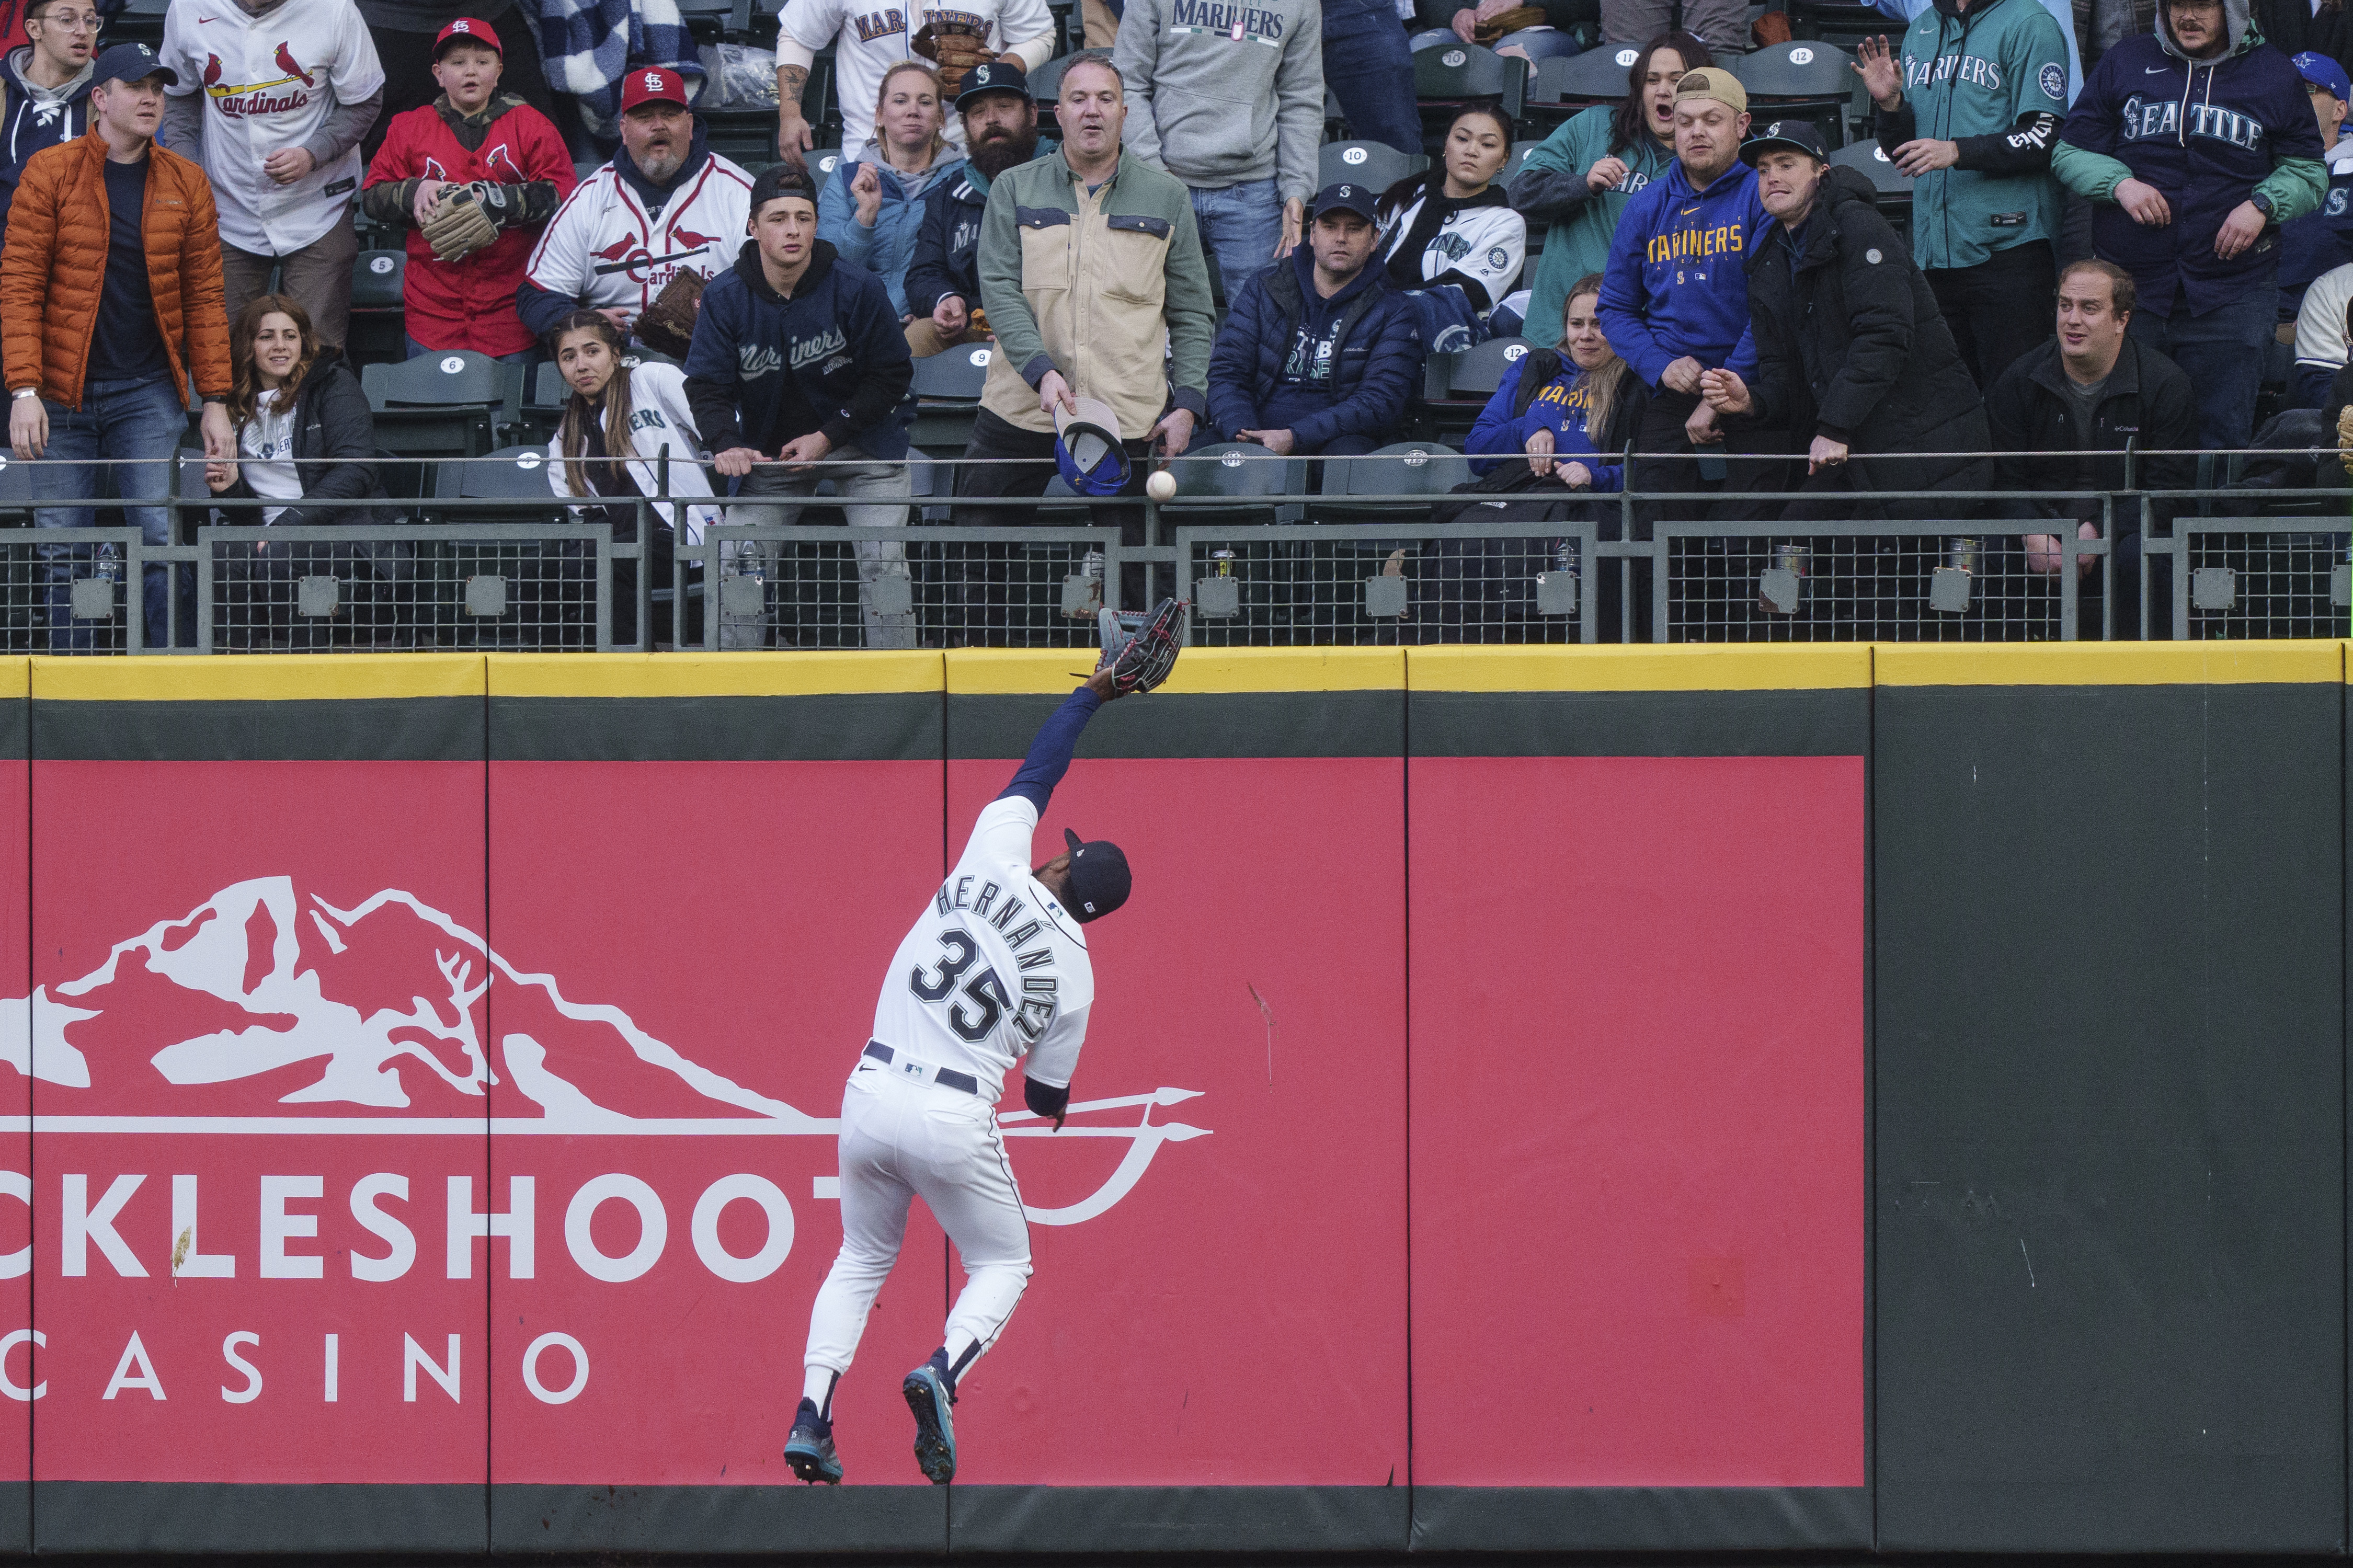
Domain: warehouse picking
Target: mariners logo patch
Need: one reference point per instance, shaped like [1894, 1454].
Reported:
[2053, 81]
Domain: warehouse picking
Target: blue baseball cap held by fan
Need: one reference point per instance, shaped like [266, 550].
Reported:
[1087, 449]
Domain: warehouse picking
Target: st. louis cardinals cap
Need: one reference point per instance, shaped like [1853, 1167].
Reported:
[2322, 71]
[131, 63]
[1357, 199]
[1099, 877]
[467, 30]
[652, 84]
[994, 76]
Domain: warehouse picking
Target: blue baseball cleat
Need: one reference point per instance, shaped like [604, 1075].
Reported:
[928, 1397]
[809, 1449]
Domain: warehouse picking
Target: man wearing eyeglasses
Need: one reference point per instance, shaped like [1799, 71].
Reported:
[44, 86]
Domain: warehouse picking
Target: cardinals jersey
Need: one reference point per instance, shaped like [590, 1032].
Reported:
[995, 970]
[269, 83]
[869, 36]
[604, 251]
[470, 304]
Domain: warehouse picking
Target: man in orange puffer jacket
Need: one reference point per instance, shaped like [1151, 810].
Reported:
[110, 300]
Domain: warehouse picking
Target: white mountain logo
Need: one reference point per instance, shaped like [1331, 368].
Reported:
[382, 1018]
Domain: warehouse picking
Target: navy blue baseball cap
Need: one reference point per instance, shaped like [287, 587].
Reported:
[1099, 877]
[1785, 136]
[994, 76]
[1357, 199]
[131, 63]
[2322, 71]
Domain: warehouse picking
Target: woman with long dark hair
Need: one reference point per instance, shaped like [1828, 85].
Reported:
[617, 424]
[1579, 178]
[1449, 237]
[305, 434]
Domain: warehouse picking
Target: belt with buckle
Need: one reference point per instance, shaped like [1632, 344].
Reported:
[914, 1069]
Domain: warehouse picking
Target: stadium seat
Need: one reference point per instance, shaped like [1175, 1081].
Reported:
[1841, 24]
[17, 492]
[1215, 483]
[1407, 468]
[584, 167]
[1433, 38]
[137, 22]
[1802, 81]
[1520, 151]
[1445, 80]
[1891, 186]
[1455, 388]
[441, 405]
[947, 398]
[707, 20]
[1541, 43]
[1375, 165]
[1564, 86]
[1046, 86]
[510, 473]
[378, 329]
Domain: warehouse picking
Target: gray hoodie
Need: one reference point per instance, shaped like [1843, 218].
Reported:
[1220, 94]
[33, 117]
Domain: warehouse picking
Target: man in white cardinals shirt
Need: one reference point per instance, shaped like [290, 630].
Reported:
[665, 203]
[273, 99]
[869, 36]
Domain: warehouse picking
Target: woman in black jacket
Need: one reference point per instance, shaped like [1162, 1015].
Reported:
[1851, 351]
[304, 435]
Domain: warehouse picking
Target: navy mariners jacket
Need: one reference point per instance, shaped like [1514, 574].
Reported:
[764, 370]
[947, 246]
[1288, 358]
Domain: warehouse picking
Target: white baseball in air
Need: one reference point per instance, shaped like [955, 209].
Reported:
[1161, 486]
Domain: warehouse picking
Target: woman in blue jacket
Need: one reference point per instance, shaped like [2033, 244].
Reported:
[871, 210]
[1579, 412]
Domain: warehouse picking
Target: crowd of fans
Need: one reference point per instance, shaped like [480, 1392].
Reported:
[2117, 210]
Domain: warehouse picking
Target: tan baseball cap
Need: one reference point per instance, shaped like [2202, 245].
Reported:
[1712, 81]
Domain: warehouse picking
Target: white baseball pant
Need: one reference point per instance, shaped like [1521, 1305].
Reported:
[903, 1138]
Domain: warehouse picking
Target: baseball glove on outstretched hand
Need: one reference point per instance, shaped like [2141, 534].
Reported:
[1141, 658]
[667, 325]
[955, 48]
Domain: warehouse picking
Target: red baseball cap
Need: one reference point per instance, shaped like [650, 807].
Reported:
[652, 84]
[468, 29]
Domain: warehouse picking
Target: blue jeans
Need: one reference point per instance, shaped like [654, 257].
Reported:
[141, 420]
[1370, 71]
[1240, 228]
[1443, 312]
[2223, 352]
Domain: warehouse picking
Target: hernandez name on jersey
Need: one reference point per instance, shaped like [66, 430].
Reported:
[993, 970]
[602, 250]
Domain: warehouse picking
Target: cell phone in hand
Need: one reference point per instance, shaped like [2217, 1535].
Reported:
[1712, 468]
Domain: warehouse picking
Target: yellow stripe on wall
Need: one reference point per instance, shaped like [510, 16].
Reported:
[15, 677]
[258, 678]
[712, 675]
[2109, 664]
[1756, 668]
[987, 673]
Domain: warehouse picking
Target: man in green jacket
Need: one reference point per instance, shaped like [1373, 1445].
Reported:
[1091, 273]
[1971, 110]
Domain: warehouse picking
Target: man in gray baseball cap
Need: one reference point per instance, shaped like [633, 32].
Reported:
[1319, 353]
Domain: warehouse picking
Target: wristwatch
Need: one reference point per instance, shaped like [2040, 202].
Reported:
[2260, 203]
[26, 391]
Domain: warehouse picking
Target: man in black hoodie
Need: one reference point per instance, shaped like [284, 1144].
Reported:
[44, 86]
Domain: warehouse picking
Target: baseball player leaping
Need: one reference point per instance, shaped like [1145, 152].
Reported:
[995, 972]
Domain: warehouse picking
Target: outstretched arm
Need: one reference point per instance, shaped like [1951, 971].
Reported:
[1049, 753]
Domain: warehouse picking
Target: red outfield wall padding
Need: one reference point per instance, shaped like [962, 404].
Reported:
[696, 945]
[1237, 1314]
[252, 1028]
[1638, 1122]
[18, 1372]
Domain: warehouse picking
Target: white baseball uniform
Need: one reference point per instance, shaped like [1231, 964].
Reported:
[269, 83]
[601, 249]
[869, 36]
[995, 972]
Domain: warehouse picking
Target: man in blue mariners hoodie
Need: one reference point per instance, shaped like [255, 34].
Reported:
[1675, 297]
[2194, 141]
[796, 375]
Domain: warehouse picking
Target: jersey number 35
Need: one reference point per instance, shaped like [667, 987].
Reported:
[985, 990]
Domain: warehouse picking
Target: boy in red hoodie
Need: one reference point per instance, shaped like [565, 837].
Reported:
[474, 176]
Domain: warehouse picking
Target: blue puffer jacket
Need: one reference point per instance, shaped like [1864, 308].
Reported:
[887, 248]
[1359, 356]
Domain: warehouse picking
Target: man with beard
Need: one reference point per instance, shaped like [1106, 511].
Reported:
[665, 203]
[1000, 130]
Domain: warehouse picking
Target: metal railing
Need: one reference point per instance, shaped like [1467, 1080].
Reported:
[1299, 567]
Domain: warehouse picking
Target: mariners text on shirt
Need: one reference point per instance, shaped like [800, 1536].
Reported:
[1685, 242]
